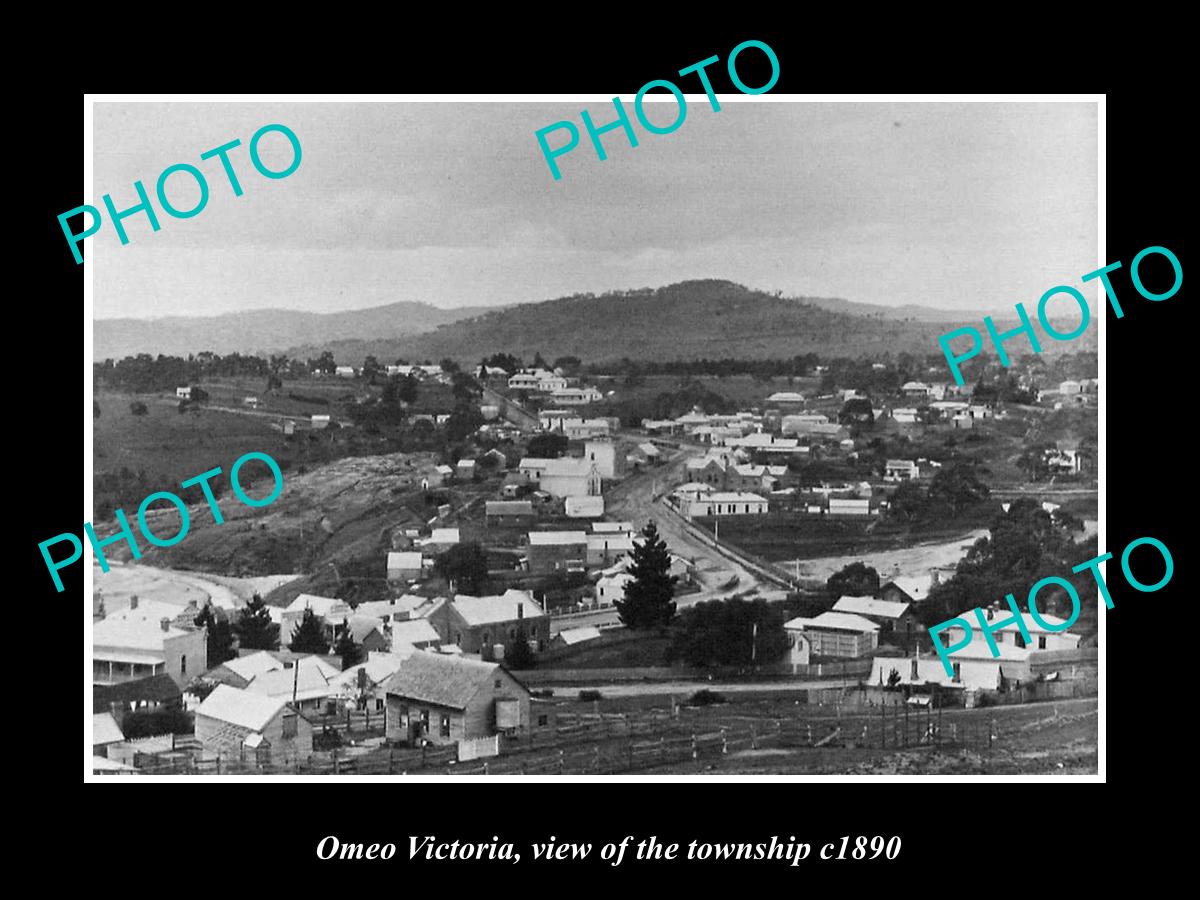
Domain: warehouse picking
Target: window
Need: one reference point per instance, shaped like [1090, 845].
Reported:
[289, 725]
[958, 671]
[1019, 639]
[914, 675]
[1041, 642]
[496, 683]
[543, 721]
[445, 730]
[183, 664]
[378, 704]
[425, 719]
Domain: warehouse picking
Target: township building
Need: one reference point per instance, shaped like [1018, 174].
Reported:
[446, 699]
[555, 551]
[230, 719]
[836, 634]
[146, 639]
[484, 625]
[890, 617]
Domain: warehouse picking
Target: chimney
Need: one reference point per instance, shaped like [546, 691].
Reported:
[989, 613]
[165, 623]
[520, 610]
[133, 601]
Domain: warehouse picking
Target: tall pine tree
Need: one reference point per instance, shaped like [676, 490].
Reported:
[647, 602]
[309, 635]
[254, 628]
[345, 647]
[219, 635]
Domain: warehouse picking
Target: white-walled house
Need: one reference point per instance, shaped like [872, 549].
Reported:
[728, 503]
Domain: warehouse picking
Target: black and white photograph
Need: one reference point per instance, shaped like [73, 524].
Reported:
[526, 438]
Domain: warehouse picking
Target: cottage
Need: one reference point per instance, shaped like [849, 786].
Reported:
[651, 453]
[464, 470]
[484, 625]
[1008, 635]
[538, 380]
[147, 639]
[157, 691]
[611, 588]
[445, 699]
[612, 528]
[907, 589]
[915, 389]
[557, 551]
[728, 504]
[583, 507]
[327, 608]
[417, 633]
[607, 547]
[894, 618]
[508, 512]
[575, 396]
[308, 683]
[229, 720]
[786, 398]
[251, 402]
[570, 477]
[904, 416]
[183, 393]
[366, 631]
[405, 565]
[969, 674]
[843, 506]
[319, 422]
[362, 684]
[837, 634]
[900, 470]
[441, 539]
[572, 637]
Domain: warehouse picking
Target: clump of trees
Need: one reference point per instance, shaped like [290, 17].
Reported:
[855, 580]
[729, 633]
[464, 564]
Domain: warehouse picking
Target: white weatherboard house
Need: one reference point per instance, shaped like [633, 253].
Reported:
[837, 634]
[1009, 635]
[730, 503]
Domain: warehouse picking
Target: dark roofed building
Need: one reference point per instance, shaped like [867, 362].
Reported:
[444, 699]
[145, 693]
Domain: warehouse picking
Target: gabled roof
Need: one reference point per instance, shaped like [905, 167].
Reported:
[834, 621]
[572, 636]
[404, 559]
[319, 605]
[532, 462]
[556, 538]
[439, 679]
[734, 497]
[362, 626]
[502, 608]
[247, 709]
[136, 634]
[870, 606]
[249, 667]
[612, 527]
[105, 729]
[307, 680]
[1005, 613]
[444, 536]
[414, 631]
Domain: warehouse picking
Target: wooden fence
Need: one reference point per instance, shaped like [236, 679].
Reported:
[602, 744]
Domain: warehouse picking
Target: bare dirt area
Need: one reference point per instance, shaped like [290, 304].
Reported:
[339, 514]
[920, 558]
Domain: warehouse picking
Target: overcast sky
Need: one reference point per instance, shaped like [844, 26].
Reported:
[962, 206]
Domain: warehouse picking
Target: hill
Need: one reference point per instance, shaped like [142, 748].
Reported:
[263, 331]
[690, 320]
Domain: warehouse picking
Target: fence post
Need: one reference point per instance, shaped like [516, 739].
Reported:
[695, 749]
[809, 727]
[596, 759]
[424, 750]
[631, 753]
[939, 729]
[724, 742]
[347, 718]
[905, 723]
[485, 767]
[560, 761]
[662, 748]
[989, 734]
[882, 724]
[753, 738]
[391, 761]
[335, 761]
[218, 763]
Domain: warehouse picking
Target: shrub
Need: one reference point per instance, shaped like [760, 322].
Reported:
[705, 697]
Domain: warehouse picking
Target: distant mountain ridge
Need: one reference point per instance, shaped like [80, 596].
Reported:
[689, 320]
[265, 330]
